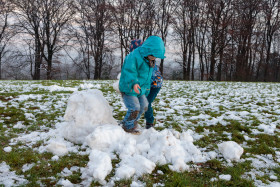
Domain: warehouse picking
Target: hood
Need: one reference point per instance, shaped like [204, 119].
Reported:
[153, 46]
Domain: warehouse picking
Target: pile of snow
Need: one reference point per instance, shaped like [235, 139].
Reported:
[139, 154]
[231, 150]
[89, 121]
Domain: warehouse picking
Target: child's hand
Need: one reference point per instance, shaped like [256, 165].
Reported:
[136, 88]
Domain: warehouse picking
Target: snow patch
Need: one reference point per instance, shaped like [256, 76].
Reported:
[9, 178]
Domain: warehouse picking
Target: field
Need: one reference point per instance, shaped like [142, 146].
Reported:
[247, 113]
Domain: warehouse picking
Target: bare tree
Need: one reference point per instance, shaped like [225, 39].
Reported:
[133, 20]
[219, 20]
[246, 13]
[94, 22]
[6, 30]
[56, 14]
[271, 9]
[45, 21]
[201, 43]
[184, 25]
[164, 11]
[29, 18]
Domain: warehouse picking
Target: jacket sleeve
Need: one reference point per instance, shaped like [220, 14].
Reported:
[130, 71]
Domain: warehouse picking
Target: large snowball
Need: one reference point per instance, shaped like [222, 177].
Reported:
[85, 110]
[231, 150]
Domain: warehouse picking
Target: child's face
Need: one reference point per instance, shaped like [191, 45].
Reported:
[150, 57]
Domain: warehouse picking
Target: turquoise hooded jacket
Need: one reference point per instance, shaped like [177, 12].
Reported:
[136, 70]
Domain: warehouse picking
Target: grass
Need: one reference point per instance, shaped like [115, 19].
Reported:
[47, 172]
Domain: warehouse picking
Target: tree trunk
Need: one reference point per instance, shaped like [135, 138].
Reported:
[193, 58]
[212, 61]
[0, 66]
[267, 59]
[219, 74]
[184, 65]
[49, 68]
[161, 66]
[189, 63]
[38, 61]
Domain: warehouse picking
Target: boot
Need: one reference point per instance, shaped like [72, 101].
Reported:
[133, 130]
[149, 125]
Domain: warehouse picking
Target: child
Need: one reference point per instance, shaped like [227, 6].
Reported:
[155, 88]
[135, 80]
[156, 83]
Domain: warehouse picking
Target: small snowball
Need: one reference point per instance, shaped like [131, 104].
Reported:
[160, 172]
[55, 158]
[65, 183]
[213, 179]
[225, 177]
[56, 148]
[100, 164]
[8, 149]
[231, 150]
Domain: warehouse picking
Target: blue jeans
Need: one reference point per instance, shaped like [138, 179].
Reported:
[149, 116]
[135, 107]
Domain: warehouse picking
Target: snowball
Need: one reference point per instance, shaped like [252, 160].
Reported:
[85, 110]
[7, 149]
[105, 136]
[55, 158]
[65, 183]
[99, 165]
[134, 164]
[231, 150]
[225, 177]
[57, 148]
[213, 179]
[160, 172]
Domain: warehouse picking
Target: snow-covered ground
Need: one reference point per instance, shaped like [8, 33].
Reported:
[85, 114]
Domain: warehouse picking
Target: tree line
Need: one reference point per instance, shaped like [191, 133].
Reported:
[231, 40]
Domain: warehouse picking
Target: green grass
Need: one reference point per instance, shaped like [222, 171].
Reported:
[47, 172]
